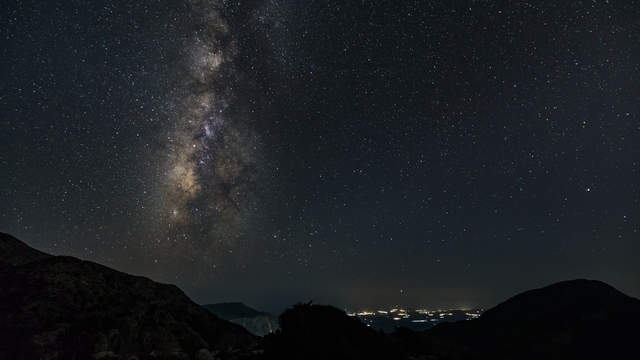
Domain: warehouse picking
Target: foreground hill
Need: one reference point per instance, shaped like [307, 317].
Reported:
[577, 319]
[324, 332]
[256, 322]
[59, 307]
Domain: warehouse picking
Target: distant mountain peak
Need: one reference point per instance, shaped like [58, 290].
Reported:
[257, 322]
[232, 310]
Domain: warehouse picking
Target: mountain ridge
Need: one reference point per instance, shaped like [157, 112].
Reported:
[232, 310]
[573, 319]
[59, 307]
[564, 295]
[257, 322]
[15, 252]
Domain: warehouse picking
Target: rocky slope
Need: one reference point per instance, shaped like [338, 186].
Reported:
[58, 307]
[257, 322]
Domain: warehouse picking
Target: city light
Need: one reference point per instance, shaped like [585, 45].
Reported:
[419, 319]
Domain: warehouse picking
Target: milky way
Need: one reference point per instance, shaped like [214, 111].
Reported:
[212, 158]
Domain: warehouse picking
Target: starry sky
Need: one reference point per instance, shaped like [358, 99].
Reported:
[358, 153]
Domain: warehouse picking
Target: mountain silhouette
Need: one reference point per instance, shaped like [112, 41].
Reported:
[576, 319]
[15, 252]
[256, 322]
[232, 310]
[60, 307]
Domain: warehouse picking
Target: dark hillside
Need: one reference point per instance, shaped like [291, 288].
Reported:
[58, 307]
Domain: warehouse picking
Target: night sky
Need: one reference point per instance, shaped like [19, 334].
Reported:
[358, 153]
